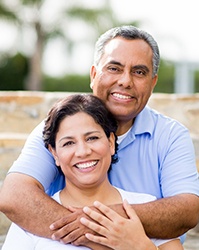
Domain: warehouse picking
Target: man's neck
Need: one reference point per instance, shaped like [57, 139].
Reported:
[124, 126]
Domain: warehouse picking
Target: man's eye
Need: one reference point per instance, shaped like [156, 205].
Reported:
[140, 72]
[113, 69]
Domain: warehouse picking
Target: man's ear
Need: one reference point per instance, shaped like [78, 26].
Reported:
[92, 75]
[155, 80]
[53, 151]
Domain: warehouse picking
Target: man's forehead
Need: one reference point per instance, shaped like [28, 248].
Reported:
[120, 50]
[122, 45]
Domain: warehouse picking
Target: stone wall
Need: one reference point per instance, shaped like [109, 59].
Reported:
[20, 112]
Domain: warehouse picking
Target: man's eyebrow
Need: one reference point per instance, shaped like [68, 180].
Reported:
[136, 67]
[115, 62]
[141, 66]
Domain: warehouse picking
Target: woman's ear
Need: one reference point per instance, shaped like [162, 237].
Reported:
[112, 143]
[53, 151]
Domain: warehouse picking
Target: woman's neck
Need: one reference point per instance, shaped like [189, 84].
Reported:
[78, 197]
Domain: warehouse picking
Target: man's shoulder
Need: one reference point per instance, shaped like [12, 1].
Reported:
[160, 118]
[152, 122]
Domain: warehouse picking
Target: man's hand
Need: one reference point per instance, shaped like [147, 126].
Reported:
[69, 229]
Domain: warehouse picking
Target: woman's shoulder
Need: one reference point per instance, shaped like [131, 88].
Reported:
[134, 197]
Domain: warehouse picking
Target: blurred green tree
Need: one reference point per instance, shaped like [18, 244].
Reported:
[13, 72]
[197, 81]
[166, 77]
[28, 14]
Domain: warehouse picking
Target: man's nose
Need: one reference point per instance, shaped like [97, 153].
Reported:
[126, 80]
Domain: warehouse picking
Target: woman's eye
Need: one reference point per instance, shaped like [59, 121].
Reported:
[68, 143]
[92, 138]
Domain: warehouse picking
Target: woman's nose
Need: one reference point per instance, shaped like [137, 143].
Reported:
[82, 149]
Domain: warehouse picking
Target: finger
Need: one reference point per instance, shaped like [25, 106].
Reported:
[62, 222]
[100, 229]
[81, 241]
[96, 216]
[66, 234]
[97, 239]
[129, 210]
[71, 209]
[107, 211]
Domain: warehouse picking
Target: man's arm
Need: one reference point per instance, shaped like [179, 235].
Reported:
[169, 217]
[164, 218]
[24, 202]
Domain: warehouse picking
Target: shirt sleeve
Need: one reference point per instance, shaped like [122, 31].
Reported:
[36, 160]
[178, 172]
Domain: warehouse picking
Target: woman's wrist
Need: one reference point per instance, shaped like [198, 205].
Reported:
[149, 245]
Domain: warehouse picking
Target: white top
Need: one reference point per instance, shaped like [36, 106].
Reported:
[19, 239]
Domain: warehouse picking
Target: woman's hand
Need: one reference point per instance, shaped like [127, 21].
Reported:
[114, 230]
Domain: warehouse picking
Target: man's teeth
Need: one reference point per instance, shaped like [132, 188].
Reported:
[86, 165]
[121, 96]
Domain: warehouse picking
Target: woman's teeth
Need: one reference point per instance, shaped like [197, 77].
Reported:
[86, 164]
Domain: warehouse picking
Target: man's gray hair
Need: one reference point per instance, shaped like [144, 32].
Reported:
[130, 33]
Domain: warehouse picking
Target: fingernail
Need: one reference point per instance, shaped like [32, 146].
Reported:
[85, 209]
[52, 227]
[96, 203]
[53, 237]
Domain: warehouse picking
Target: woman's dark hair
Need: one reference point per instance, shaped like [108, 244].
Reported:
[73, 104]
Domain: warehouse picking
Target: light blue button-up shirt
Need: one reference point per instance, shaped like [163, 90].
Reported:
[156, 157]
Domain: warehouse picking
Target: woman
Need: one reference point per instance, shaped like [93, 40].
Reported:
[80, 133]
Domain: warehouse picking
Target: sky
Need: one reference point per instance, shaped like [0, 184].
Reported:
[173, 24]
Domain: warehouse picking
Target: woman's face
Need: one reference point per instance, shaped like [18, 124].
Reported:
[83, 150]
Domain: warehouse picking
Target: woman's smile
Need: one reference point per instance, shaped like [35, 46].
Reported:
[86, 165]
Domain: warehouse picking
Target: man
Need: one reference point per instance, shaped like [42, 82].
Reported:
[156, 154]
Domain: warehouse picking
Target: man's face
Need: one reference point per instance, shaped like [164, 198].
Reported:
[123, 79]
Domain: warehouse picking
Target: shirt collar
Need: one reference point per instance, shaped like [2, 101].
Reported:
[143, 123]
